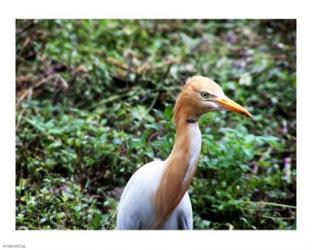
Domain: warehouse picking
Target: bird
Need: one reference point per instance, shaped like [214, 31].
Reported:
[156, 197]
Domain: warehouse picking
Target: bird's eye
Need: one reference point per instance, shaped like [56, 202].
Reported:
[204, 94]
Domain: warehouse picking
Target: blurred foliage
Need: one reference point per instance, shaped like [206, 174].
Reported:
[94, 103]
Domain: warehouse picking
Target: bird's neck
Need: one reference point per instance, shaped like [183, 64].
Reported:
[179, 168]
[186, 151]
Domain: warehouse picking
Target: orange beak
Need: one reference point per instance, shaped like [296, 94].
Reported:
[232, 106]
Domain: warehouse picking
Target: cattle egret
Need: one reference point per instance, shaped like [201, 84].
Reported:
[156, 195]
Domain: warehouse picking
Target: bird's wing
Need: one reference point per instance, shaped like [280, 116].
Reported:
[135, 209]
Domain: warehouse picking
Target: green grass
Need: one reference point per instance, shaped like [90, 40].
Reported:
[94, 103]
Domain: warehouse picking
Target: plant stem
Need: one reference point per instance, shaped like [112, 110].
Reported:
[270, 204]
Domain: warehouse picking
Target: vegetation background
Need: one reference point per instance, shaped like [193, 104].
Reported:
[94, 102]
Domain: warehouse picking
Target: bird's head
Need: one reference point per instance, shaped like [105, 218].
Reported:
[201, 95]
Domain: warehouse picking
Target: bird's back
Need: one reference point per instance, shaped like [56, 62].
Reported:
[135, 209]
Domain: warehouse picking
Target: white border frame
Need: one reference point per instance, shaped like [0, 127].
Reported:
[300, 238]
